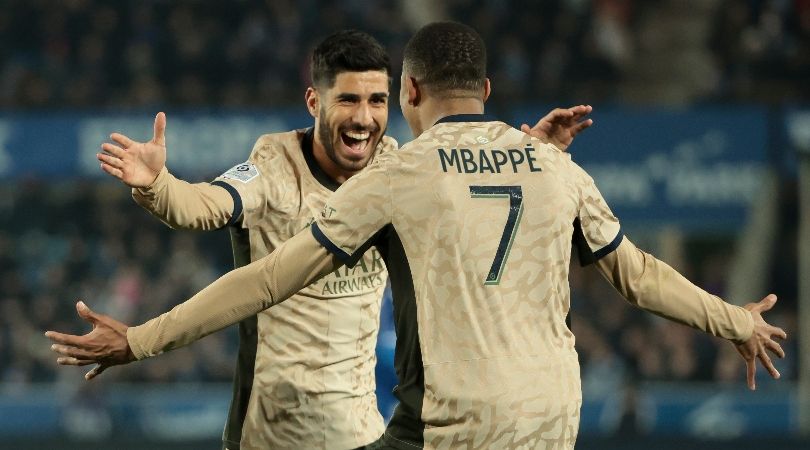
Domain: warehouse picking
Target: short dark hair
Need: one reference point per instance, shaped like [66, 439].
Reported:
[347, 51]
[447, 56]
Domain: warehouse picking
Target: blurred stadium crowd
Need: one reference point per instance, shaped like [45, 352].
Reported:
[60, 242]
[87, 239]
[251, 53]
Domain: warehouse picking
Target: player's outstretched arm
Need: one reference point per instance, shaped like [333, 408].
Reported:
[136, 164]
[654, 286]
[235, 296]
[561, 125]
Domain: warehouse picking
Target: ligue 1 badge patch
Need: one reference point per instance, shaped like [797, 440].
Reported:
[243, 172]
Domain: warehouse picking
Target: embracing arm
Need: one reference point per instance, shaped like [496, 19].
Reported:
[654, 286]
[235, 296]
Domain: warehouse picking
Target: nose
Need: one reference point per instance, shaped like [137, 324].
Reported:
[362, 115]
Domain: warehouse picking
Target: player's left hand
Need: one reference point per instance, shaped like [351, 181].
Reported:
[560, 126]
[761, 339]
[106, 345]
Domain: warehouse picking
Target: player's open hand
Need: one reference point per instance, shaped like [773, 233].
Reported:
[137, 164]
[106, 345]
[560, 126]
[762, 340]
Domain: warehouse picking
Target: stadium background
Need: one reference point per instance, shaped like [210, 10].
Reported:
[701, 111]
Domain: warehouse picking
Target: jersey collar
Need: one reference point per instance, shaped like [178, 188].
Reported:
[467, 118]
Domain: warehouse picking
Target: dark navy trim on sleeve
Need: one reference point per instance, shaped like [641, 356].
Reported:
[345, 258]
[606, 250]
[467, 118]
[329, 245]
[237, 201]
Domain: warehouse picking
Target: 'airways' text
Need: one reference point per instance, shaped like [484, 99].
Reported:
[465, 160]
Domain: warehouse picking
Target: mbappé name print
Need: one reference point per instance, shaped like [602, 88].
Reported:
[464, 160]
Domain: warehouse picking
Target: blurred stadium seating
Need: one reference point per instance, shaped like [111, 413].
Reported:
[697, 179]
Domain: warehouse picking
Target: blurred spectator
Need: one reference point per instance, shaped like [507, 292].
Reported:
[763, 49]
[89, 241]
[102, 53]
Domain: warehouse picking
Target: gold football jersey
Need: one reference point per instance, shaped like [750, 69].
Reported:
[475, 219]
[305, 369]
[313, 382]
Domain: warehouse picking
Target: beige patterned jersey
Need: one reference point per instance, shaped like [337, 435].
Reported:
[313, 357]
[313, 381]
[475, 219]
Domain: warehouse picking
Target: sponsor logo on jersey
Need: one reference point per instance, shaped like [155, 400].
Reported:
[242, 172]
[364, 277]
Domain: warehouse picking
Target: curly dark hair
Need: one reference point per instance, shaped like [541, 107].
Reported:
[447, 57]
[347, 51]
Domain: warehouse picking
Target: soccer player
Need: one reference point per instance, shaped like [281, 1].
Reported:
[305, 370]
[474, 220]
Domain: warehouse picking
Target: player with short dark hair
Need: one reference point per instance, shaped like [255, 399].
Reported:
[305, 370]
[454, 64]
[305, 373]
[346, 51]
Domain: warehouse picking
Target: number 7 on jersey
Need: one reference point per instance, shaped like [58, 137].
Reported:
[515, 196]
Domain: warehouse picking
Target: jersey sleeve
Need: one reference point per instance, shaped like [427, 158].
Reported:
[236, 196]
[654, 286]
[355, 214]
[235, 296]
[597, 231]
[249, 187]
[183, 205]
[244, 184]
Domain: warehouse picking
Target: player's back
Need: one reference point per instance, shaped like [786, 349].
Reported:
[482, 220]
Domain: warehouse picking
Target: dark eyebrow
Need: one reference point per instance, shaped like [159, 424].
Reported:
[347, 97]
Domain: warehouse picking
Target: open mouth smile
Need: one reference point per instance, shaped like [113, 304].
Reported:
[356, 142]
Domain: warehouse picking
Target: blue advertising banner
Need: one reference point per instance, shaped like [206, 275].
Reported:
[697, 167]
[693, 168]
[198, 143]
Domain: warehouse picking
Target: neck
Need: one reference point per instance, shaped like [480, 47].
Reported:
[326, 164]
[433, 110]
